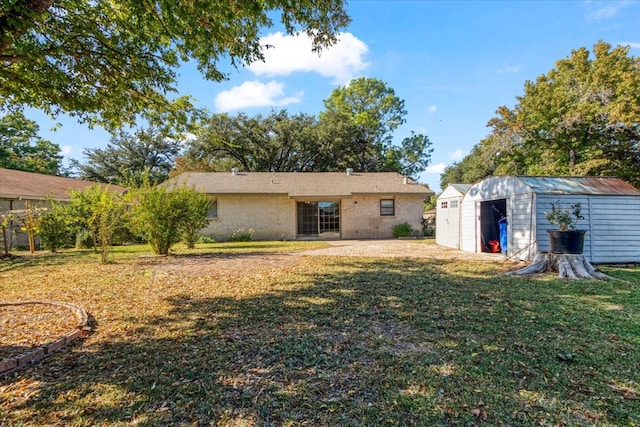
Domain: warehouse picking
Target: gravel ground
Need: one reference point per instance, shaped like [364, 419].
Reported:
[393, 248]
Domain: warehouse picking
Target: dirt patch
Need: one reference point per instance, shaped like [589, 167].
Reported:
[219, 265]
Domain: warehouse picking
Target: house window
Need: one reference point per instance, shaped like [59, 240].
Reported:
[387, 207]
[454, 204]
[444, 205]
[212, 213]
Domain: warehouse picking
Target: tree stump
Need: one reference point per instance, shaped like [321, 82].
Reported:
[568, 266]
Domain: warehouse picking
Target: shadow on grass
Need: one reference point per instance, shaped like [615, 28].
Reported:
[359, 342]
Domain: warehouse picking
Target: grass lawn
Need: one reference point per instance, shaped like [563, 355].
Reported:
[327, 341]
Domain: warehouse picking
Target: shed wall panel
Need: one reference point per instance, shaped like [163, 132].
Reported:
[615, 229]
[521, 227]
[543, 206]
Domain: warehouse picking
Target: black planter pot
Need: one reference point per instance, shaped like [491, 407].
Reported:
[566, 242]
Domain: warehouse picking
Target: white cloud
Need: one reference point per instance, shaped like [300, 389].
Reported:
[254, 94]
[432, 109]
[287, 54]
[65, 150]
[457, 155]
[438, 168]
[610, 10]
[632, 45]
[510, 69]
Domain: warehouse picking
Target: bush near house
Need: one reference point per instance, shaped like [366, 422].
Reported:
[402, 230]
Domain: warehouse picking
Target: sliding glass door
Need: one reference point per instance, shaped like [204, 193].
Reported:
[319, 219]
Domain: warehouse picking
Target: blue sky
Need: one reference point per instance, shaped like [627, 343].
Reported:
[452, 62]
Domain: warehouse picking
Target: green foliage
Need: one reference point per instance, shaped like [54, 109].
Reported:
[165, 215]
[242, 235]
[131, 159]
[277, 142]
[368, 111]
[22, 148]
[197, 206]
[565, 218]
[119, 59]
[355, 132]
[100, 211]
[54, 226]
[205, 239]
[402, 230]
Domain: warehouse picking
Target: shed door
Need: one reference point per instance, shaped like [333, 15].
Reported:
[450, 210]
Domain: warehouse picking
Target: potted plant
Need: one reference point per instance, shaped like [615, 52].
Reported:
[565, 239]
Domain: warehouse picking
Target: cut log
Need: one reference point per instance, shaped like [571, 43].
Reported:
[567, 266]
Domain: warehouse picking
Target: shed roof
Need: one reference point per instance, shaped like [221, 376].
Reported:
[579, 185]
[16, 184]
[301, 184]
[462, 188]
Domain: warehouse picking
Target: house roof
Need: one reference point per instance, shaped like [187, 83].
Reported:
[579, 185]
[301, 184]
[16, 184]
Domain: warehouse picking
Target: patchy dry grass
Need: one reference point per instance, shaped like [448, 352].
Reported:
[328, 341]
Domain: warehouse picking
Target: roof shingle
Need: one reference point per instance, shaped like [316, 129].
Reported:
[301, 184]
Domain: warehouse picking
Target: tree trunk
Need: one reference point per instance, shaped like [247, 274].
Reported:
[568, 266]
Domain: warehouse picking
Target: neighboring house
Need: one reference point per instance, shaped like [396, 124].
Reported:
[299, 205]
[610, 206]
[19, 189]
[448, 215]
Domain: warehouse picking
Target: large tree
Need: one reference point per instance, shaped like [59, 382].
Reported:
[367, 111]
[130, 159]
[22, 148]
[107, 61]
[581, 118]
[277, 142]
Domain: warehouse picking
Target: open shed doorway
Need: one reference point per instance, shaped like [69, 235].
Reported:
[491, 212]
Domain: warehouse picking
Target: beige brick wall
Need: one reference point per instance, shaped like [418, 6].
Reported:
[361, 216]
[274, 217]
[271, 217]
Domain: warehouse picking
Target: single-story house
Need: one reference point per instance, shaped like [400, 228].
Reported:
[448, 215]
[299, 205]
[20, 189]
[610, 206]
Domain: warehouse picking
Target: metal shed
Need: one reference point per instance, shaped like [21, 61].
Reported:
[448, 215]
[610, 206]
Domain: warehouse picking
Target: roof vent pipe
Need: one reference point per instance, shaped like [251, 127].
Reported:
[406, 180]
[234, 171]
[349, 171]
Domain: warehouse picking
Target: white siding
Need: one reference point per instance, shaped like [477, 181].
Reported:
[544, 205]
[612, 222]
[615, 229]
[521, 228]
[468, 225]
[518, 197]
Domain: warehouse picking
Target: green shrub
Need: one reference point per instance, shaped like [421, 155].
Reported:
[205, 239]
[241, 235]
[402, 230]
[54, 226]
[165, 215]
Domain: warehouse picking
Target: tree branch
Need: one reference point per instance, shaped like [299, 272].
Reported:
[18, 19]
